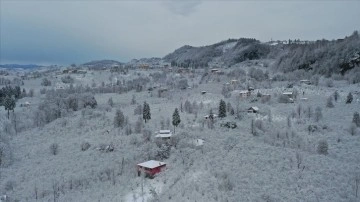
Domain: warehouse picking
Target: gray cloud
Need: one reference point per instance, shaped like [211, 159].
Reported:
[77, 31]
[184, 8]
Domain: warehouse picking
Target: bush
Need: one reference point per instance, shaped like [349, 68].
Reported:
[356, 119]
[85, 146]
[323, 147]
[54, 149]
[46, 82]
[5, 155]
[283, 99]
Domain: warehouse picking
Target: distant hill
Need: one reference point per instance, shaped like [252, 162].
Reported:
[102, 64]
[322, 57]
[17, 66]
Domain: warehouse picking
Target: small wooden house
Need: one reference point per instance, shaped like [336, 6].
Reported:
[150, 168]
[253, 110]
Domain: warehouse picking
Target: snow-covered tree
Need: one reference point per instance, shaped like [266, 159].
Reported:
[318, 114]
[336, 96]
[146, 112]
[349, 98]
[222, 109]
[111, 102]
[356, 119]
[323, 147]
[176, 118]
[119, 119]
[9, 104]
[329, 102]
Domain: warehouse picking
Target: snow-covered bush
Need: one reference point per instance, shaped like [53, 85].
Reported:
[329, 102]
[85, 146]
[67, 79]
[322, 147]
[356, 119]
[54, 149]
[5, 154]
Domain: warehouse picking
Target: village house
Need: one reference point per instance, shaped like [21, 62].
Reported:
[164, 134]
[305, 82]
[245, 93]
[253, 110]
[150, 168]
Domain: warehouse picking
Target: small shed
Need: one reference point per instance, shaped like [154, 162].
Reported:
[253, 110]
[150, 168]
[164, 134]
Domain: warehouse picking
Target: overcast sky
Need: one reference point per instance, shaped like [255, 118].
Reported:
[64, 32]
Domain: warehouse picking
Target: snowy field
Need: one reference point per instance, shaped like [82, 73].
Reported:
[270, 156]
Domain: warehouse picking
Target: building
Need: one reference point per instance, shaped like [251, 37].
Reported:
[164, 134]
[214, 116]
[150, 168]
[305, 82]
[245, 93]
[253, 110]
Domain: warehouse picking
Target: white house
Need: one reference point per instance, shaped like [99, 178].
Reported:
[164, 134]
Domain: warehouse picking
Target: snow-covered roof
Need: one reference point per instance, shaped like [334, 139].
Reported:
[287, 93]
[243, 91]
[164, 132]
[151, 164]
[254, 108]
[166, 135]
[27, 103]
[199, 142]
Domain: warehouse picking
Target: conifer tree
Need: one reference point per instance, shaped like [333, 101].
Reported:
[9, 104]
[146, 112]
[222, 109]
[176, 118]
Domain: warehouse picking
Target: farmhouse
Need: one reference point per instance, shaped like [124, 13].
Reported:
[150, 168]
[253, 110]
[164, 134]
[245, 93]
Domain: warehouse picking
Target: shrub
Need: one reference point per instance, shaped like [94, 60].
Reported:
[85, 146]
[356, 119]
[54, 149]
[349, 98]
[323, 147]
[329, 102]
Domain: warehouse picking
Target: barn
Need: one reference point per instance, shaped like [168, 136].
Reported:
[150, 168]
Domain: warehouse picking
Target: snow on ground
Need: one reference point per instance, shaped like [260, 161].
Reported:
[280, 163]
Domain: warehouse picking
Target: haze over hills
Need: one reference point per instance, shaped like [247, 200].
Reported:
[322, 57]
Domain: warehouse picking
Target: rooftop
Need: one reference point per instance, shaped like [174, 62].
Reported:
[151, 164]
